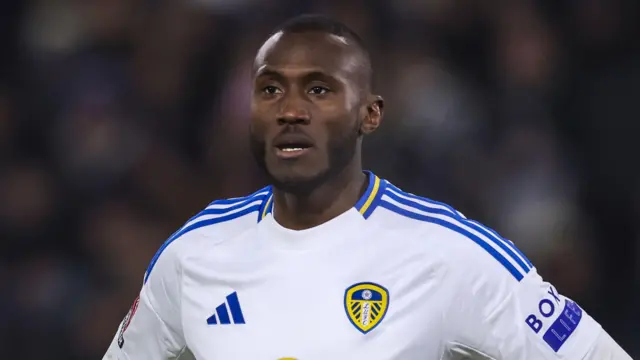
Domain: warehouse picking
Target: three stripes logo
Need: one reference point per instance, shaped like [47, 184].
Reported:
[221, 315]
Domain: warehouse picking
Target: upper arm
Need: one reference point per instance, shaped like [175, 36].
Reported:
[605, 348]
[152, 328]
[521, 319]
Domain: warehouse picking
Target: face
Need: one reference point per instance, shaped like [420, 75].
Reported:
[309, 108]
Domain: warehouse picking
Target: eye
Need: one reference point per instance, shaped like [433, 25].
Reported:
[271, 90]
[318, 90]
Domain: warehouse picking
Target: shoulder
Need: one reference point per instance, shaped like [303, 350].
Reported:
[466, 244]
[220, 220]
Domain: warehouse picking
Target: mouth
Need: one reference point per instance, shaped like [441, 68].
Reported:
[291, 151]
[292, 146]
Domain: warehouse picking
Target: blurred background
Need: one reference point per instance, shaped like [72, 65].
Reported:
[119, 119]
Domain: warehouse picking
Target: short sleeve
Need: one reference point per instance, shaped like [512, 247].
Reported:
[152, 328]
[507, 318]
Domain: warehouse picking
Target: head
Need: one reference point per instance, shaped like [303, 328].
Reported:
[312, 103]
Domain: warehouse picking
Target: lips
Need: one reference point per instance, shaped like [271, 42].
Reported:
[292, 145]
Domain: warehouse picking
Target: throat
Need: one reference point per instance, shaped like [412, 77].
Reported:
[327, 201]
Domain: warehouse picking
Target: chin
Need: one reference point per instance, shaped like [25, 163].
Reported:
[296, 182]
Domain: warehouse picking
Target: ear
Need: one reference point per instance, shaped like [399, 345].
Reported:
[373, 116]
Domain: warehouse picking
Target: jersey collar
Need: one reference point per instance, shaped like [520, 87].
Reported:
[365, 206]
[371, 197]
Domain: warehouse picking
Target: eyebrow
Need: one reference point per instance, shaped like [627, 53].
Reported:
[266, 72]
[308, 75]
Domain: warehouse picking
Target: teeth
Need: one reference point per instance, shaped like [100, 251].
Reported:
[291, 149]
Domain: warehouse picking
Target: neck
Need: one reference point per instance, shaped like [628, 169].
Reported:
[327, 201]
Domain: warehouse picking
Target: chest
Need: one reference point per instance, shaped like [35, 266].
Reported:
[314, 305]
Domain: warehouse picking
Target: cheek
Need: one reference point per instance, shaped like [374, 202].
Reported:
[340, 127]
[259, 120]
[333, 112]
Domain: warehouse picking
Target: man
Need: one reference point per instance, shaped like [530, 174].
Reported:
[330, 262]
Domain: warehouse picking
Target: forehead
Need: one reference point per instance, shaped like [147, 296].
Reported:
[309, 50]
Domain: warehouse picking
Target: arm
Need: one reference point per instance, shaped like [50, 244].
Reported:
[151, 330]
[606, 348]
[528, 319]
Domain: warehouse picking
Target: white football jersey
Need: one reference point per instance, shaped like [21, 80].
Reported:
[397, 277]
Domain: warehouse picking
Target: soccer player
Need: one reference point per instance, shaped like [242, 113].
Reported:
[332, 262]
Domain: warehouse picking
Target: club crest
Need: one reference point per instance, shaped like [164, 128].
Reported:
[366, 304]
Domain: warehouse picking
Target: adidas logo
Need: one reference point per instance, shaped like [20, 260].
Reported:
[222, 314]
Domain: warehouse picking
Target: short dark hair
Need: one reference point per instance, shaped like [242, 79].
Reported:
[320, 23]
[324, 24]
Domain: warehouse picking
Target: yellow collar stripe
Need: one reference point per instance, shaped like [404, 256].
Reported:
[267, 205]
[372, 195]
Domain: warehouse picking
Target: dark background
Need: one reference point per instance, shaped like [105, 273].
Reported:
[119, 119]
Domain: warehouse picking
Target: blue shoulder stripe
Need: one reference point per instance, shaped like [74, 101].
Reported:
[223, 215]
[501, 249]
[235, 200]
[512, 269]
[491, 234]
[410, 195]
[235, 206]
[509, 243]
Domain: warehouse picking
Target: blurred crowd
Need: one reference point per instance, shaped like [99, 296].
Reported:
[119, 119]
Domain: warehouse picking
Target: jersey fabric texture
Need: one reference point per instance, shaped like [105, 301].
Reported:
[397, 277]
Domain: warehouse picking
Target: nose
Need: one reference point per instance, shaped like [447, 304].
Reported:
[293, 112]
